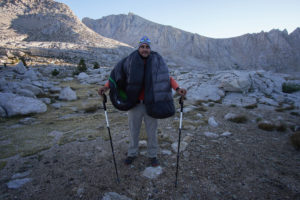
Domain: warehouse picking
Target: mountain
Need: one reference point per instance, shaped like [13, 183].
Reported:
[48, 28]
[275, 50]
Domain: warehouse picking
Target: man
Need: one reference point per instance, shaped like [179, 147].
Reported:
[148, 86]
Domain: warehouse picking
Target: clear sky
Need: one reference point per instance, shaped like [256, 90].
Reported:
[211, 18]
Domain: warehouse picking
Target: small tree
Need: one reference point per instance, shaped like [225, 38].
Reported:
[96, 65]
[23, 61]
[55, 72]
[81, 66]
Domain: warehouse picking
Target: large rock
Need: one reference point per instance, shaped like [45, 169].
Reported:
[34, 89]
[32, 75]
[239, 99]
[17, 183]
[212, 122]
[234, 81]
[267, 82]
[83, 76]
[67, 94]
[205, 92]
[20, 68]
[152, 172]
[2, 112]
[24, 92]
[114, 196]
[183, 146]
[18, 105]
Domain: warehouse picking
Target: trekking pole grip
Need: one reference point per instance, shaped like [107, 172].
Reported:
[181, 103]
[104, 101]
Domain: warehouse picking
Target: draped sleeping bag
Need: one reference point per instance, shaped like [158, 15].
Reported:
[128, 78]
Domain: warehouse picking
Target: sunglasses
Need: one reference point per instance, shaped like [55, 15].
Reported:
[144, 47]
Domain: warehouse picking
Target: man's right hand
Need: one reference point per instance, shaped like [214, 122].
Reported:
[102, 90]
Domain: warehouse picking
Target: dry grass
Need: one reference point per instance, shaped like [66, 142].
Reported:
[291, 107]
[267, 126]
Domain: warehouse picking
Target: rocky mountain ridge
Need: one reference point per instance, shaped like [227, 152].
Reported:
[45, 28]
[275, 50]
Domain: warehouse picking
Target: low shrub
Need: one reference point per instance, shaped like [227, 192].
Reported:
[96, 65]
[295, 140]
[239, 119]
[81, 66]
[2, 164]
[290, 87]
[267, 126]
[251, 106]
[281, 109]
[281, 128]
[55, 72]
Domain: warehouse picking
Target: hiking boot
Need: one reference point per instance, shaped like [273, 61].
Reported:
[129, 160]
[154, 162]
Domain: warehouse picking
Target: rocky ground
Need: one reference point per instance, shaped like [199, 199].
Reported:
[229, 151]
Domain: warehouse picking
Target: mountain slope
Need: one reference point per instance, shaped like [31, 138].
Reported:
[274, 50]
[46, 23]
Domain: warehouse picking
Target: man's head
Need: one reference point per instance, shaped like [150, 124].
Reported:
[144, 47]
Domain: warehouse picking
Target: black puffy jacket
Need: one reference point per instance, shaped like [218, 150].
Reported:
[130, 75]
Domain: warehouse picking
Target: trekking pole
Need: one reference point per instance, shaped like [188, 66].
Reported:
[178, 147]
[111, 144]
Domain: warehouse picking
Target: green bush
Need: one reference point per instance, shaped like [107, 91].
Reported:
[81, 66]
[55, 72]
[290, 87]
[96, 65]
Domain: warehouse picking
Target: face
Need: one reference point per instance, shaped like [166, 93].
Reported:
[144, 50]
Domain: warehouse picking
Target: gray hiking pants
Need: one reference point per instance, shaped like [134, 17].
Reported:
[135, 117]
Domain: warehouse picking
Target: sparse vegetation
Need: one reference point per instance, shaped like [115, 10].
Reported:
[239, 119]
[258, 119]
[251, 106]
[81, 67]
[282, 127]
[91, 109]
[295, 113]
[267, 126]
[34, 150]
[2, 164]
[281, 109]
[295, 140]
[55, 72]
[290, 87]
[96, 65]
[201, 109]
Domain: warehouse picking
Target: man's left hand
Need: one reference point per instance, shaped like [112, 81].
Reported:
[181, 91]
